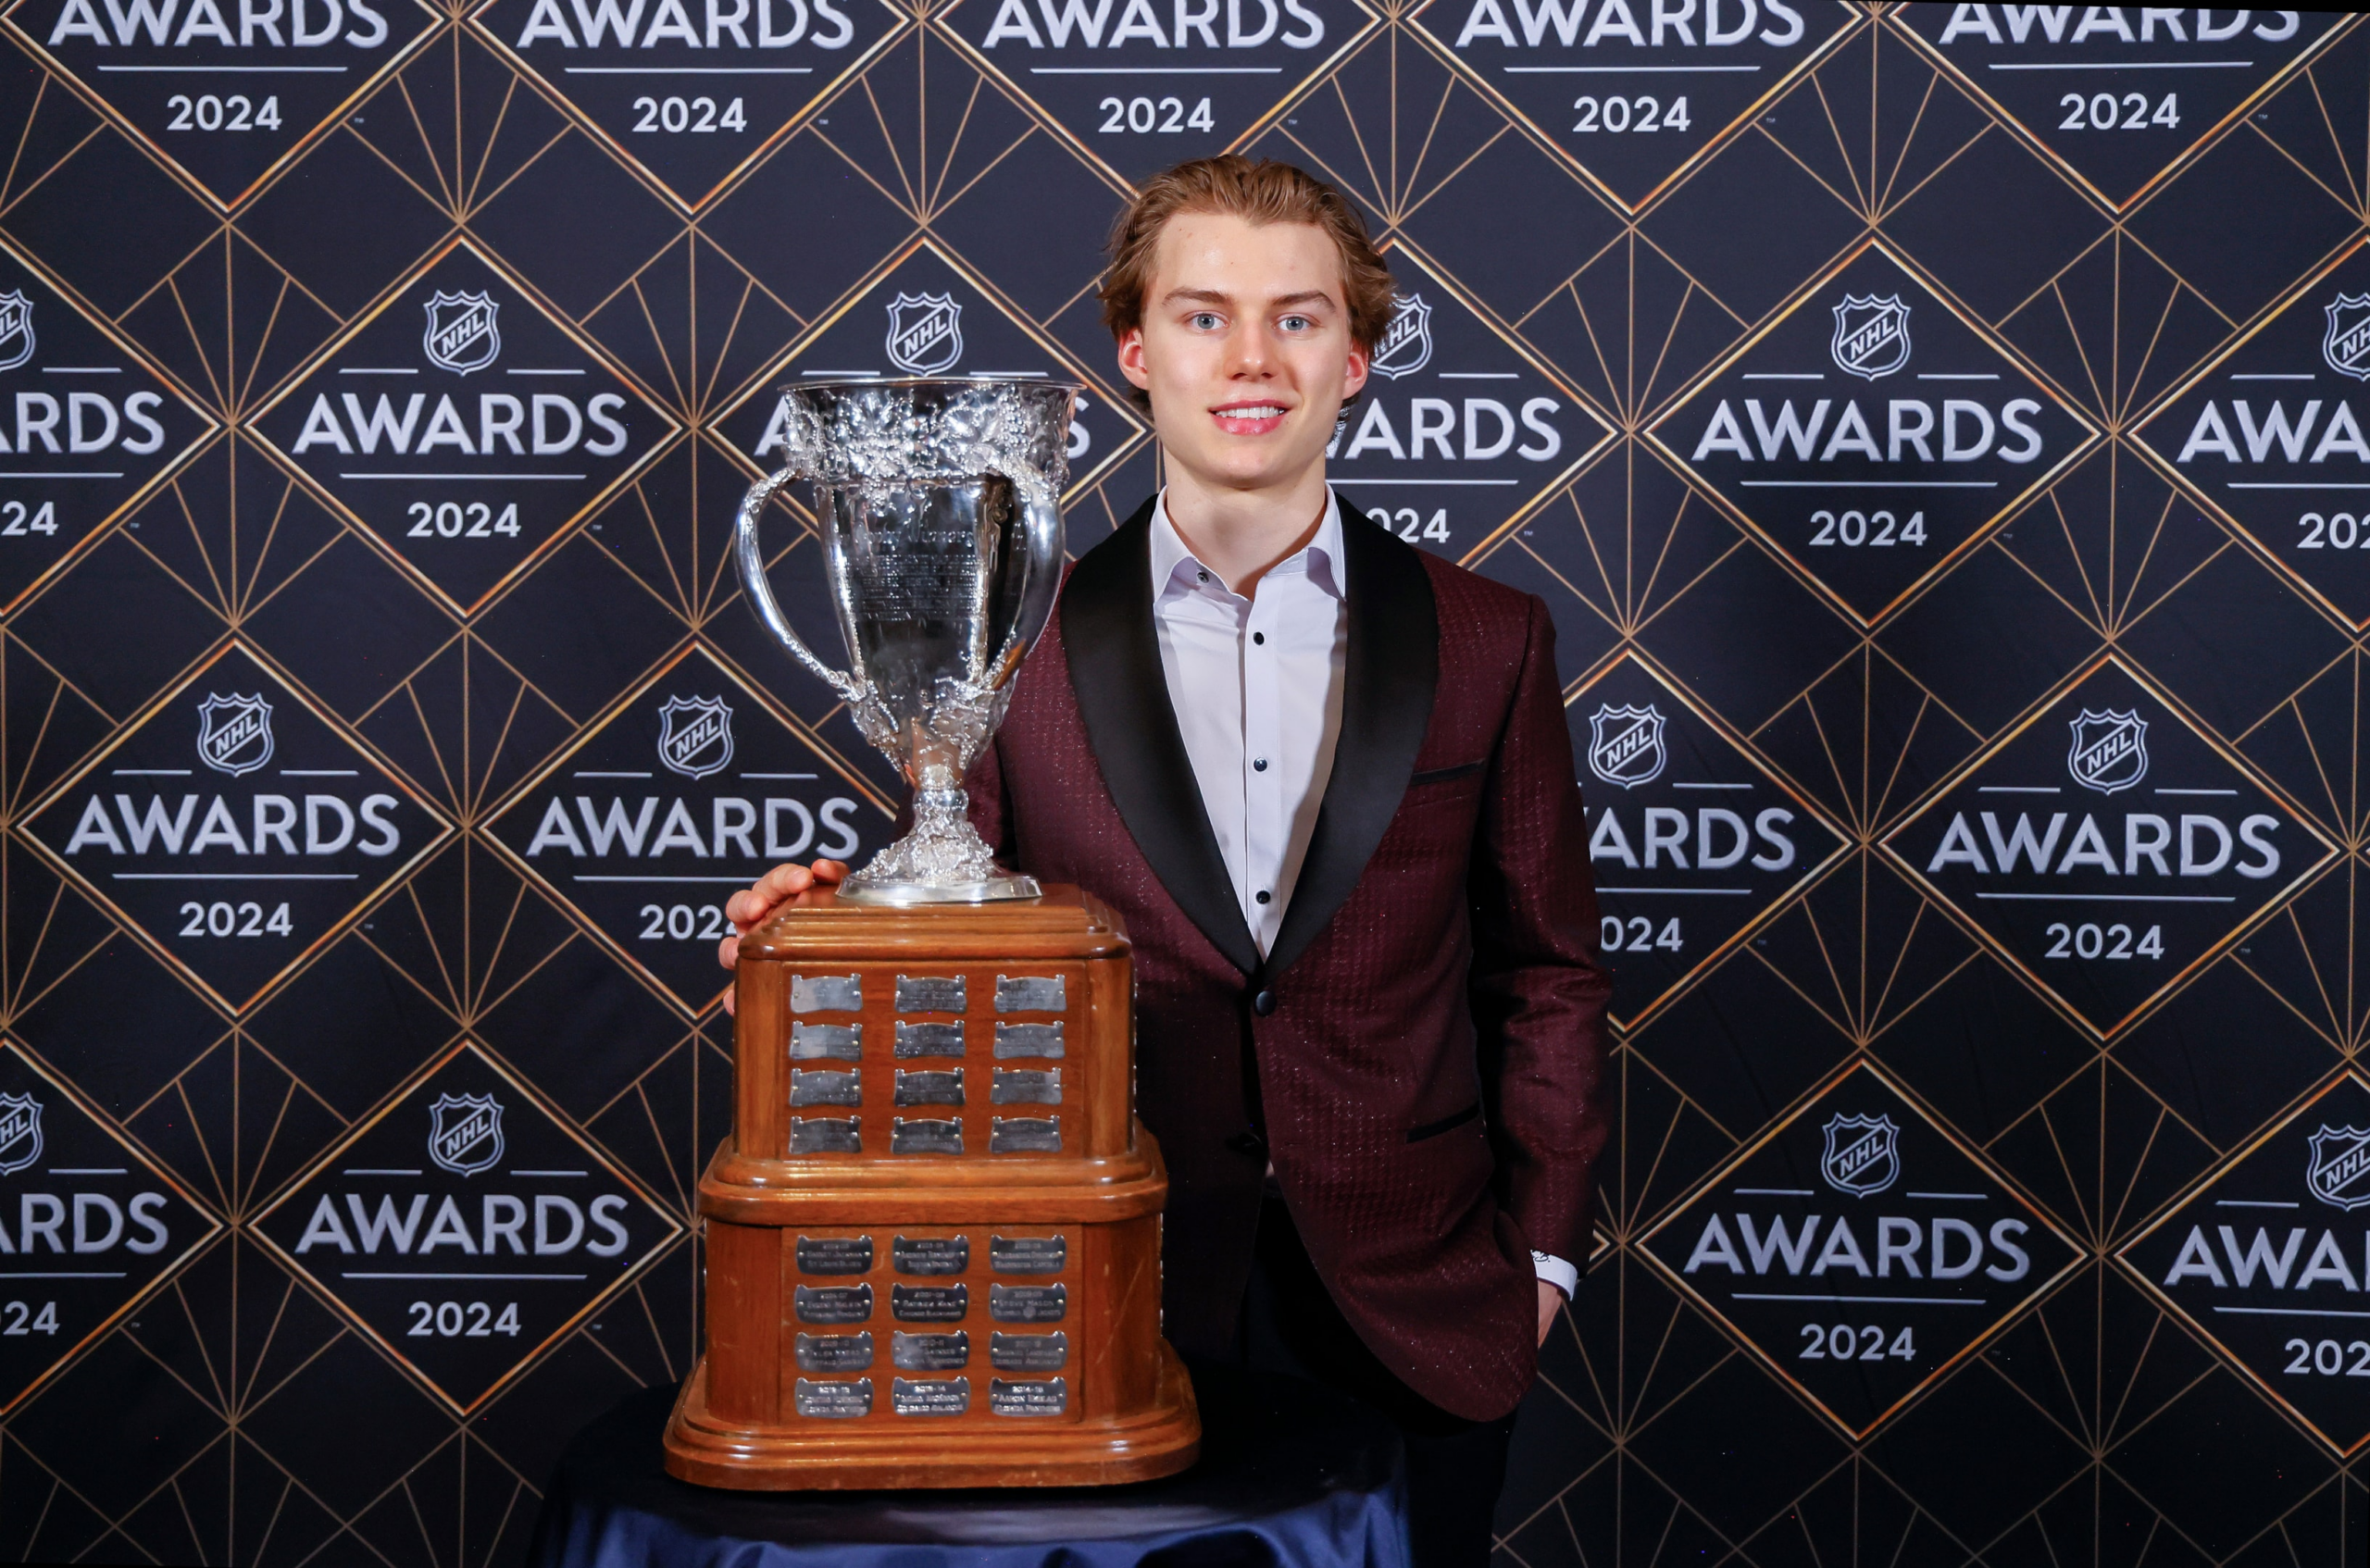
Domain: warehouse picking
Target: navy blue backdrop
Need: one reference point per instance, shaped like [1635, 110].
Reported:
[1937, 430]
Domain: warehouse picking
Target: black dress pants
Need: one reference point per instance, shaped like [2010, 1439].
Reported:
[1455, 1467]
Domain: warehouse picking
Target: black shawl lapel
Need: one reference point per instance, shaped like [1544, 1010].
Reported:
[1391, 670]
[1123, 695]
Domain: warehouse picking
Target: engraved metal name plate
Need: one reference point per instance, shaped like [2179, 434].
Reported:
[825, 1135]
[929, 1088]
[1029, 1303]
[834, 1303]
[1024, 1135]
[932, 1254]
[823, 1086]
[930, 1396]
[1029, 1040]
[929, 1303]
[835, 1401]
[1030, 993]
[1013, 1396]
[826, 993]
[929, 1353]
[1028, 1255]
[839, 1042]
[1026, 1085]
[930, 1039]
[1028, 1352]
[836, 1353]
[929, 993]
[925, 1137]
[835, 1254]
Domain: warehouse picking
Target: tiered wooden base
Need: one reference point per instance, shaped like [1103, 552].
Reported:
[933, 1240]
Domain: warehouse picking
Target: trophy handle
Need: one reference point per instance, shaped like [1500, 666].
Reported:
[1040, 578]
[750, 556]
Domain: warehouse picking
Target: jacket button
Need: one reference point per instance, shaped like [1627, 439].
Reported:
[1248, 1142]
[1263, 1003]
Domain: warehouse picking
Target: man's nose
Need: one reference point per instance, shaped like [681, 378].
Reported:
[1248, 353]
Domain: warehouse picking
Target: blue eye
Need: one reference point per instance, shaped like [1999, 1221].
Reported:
[1203, 319]
[1296, 323]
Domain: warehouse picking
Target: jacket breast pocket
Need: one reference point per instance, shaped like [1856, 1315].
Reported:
[1449, 1124]
[1443, 775]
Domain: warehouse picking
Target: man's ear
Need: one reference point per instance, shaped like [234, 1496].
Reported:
[1353, 378]
[1131, 359]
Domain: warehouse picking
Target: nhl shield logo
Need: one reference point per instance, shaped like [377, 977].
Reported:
[1626, 744]
[16, 329]
[1863, 1154]
[20, 1132]
[2110, 750]
[461, 334]
[695, 735]
[925, 332]
[1406, 345]
[2339, 1171]
[465, 1132]
[234, 733]
[2346, 348]
[1871, 335]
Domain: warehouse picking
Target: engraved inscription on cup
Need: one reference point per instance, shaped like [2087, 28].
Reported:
[834, 1401]
[929, 1303]
[835, 1254]
[836, 1353]
[833, 1303]
[929, 1039]
[929, 1088]
[930, 1396]
[930, 1255]
[1024, 1135]
[1017, 1397]
[1028, 1352]
[1029, 1303]
[825, 1135]
[1029, 1040]
[838, 1042]
[929, 993]
[1026, 1085]
[1030, 993]
[826, 993]
[821, 1086]
[1028, 1255]
[929, 1353]
[909, 1136]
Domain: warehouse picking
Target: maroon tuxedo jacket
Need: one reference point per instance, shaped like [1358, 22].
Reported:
[1422, 1052]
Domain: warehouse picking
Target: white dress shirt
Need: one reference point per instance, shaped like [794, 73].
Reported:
[1256, 686]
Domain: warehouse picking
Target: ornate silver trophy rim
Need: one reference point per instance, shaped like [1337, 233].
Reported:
[941, 858]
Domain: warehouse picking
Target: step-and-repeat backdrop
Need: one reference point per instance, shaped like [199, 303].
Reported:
[1940, 432]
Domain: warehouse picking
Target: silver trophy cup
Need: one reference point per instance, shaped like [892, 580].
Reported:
[938, 504]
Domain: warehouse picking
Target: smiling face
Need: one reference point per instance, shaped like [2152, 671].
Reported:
[1245, 352]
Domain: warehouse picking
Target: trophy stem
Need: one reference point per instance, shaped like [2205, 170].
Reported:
[943, 859]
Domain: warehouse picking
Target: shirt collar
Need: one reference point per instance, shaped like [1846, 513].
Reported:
[1174, 566]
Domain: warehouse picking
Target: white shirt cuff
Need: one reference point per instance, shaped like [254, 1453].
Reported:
[1557, 1272]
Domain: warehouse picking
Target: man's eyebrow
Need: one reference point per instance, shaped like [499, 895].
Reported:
[1217, 296]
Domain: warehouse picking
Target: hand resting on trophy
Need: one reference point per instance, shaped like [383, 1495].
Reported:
[754, 905]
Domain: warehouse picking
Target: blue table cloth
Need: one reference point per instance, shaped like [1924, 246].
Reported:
[1290, 1473]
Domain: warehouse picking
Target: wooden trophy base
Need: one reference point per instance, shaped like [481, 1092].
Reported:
[933, 1240]
[1159, 1439]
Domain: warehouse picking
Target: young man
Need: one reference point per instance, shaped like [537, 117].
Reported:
[1326, 781]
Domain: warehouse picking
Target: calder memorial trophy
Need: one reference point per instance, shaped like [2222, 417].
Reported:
[933, 1237]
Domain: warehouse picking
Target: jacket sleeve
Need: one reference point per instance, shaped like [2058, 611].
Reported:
[991, 808]
[1539, 990]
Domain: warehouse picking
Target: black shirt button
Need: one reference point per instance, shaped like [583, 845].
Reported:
[1259, 637]
[1258, 765]
[1263, 1003]
[1263, 895]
